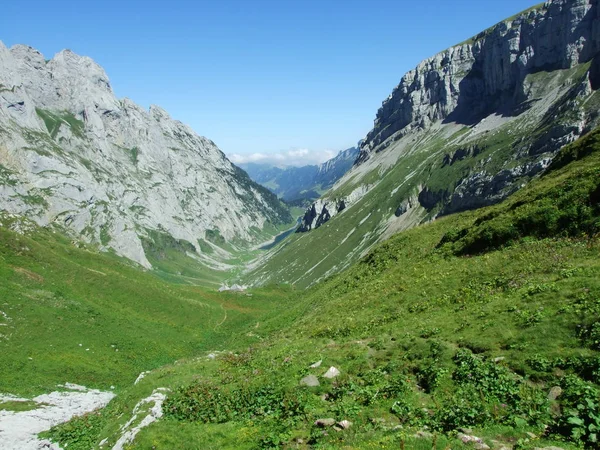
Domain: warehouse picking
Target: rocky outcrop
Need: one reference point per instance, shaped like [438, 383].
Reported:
[469, 81]
[71, 153]
[321, 211]
[484, 189]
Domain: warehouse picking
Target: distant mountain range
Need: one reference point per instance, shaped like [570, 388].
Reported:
[295, 184]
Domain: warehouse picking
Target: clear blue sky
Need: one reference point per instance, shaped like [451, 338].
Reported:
[256, 75]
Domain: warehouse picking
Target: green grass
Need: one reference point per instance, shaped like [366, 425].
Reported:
[415, 328]
[18, 406]
[54, 121]
[94, 319]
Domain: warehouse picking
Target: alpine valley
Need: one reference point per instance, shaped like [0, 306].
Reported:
[440, 291]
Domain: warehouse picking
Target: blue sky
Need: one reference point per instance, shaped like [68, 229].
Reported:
[296, 80]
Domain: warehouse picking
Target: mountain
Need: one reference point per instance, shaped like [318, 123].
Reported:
[113, 174]
[301, 183]
[477, 329]
[464, 129]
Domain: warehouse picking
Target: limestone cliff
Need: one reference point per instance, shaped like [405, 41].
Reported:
[487, 73]
[464, 129]
[73, 154]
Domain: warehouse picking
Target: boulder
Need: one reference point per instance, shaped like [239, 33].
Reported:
[554, 393]
[331, 373]
[324, 423]
[344, 424]
[310, 381]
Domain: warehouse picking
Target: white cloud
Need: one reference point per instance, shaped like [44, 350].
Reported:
[295, 157]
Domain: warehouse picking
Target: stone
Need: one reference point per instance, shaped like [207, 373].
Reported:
[481, 446]
[554, 393]
[331, 373]
[323, 423]
[316, 365]
[423, 435]
[310, 381]
[466, 430]
[478, 443]
[344, 424]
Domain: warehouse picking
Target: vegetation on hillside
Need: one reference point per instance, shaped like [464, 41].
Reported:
[429, 338]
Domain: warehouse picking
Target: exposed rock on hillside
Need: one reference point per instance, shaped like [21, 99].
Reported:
[464, 129]
[72, 153]
[466, 83]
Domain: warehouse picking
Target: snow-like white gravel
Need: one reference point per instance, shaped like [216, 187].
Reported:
[19, 430]
[152, 407]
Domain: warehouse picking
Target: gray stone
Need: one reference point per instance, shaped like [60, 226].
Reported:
[316, 365]
[344, 424]
[323, 423]
[310, 380]
[554, 393]
[332, 372]
[423, 435]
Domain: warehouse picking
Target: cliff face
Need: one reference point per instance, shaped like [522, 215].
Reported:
[467, 82]
[491, 75]
[71, 153]
[464, 129]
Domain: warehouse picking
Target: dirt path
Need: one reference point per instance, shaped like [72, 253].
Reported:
[19, 430]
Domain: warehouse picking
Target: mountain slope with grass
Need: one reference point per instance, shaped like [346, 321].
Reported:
[131, 181]
[463, 130]
[479, 328]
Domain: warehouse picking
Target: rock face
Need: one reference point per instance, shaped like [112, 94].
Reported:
[324, 209]
[493, 74]
[71, 153]
[467, 82]
[464, 129]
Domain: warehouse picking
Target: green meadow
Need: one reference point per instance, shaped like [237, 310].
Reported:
[472, 321]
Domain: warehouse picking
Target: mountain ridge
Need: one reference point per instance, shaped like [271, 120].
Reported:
[304, 182]
[113, 173]
[464, 129]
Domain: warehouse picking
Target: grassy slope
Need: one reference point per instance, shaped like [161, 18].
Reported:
[312, 256]
[414, 328]
[83, 317]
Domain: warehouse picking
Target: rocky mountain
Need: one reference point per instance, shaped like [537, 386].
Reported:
[464, 129]
[302, 183]
[112, 173]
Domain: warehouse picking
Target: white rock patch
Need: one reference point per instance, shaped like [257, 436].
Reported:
[155, 412]
[19, 430]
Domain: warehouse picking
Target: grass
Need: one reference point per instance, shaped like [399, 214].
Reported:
[18, 406]
[426, 336]
[76, 315]
[54, 121]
